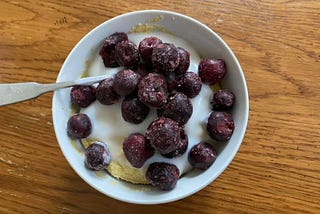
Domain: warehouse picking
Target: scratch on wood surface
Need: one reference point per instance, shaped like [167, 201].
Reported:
[6, 161]
[13, 126]
[34, 118]
[65, 210]
[10, 171]
[219, 20]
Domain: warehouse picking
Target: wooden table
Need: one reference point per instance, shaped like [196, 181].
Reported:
[277, 168]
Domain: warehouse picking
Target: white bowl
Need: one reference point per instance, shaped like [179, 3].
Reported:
[208, 44]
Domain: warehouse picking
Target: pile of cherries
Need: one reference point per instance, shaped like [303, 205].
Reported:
[155, 75]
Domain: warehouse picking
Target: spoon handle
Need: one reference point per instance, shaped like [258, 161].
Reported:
[17, 92]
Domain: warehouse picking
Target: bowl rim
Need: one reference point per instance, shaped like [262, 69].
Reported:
[242, 131]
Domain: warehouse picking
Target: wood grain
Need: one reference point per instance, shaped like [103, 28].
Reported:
[277, 168]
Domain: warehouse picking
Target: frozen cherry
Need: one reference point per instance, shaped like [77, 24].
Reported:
[133, 111]
[82, 95]
[152, 90]
[182, 146]
[127, 54]
[190, 84]
[115, 38]
[163, 175]
[97, 156]
[125, 82]
[178, 107]
[146, 47]
[165, 58]
[184, 61]
[79, 126]
[107, 52]
[202, 155]
[137, 149]
[212, 71]
[220, 126]
[108, 57]
[105, 93]
[222, 100]
[164, 135]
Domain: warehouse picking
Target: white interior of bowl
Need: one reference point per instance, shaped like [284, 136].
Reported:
[208, 44]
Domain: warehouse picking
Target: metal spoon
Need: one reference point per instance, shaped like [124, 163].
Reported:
[18, 92]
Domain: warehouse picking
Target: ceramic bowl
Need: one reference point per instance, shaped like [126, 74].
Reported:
[208, 44]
